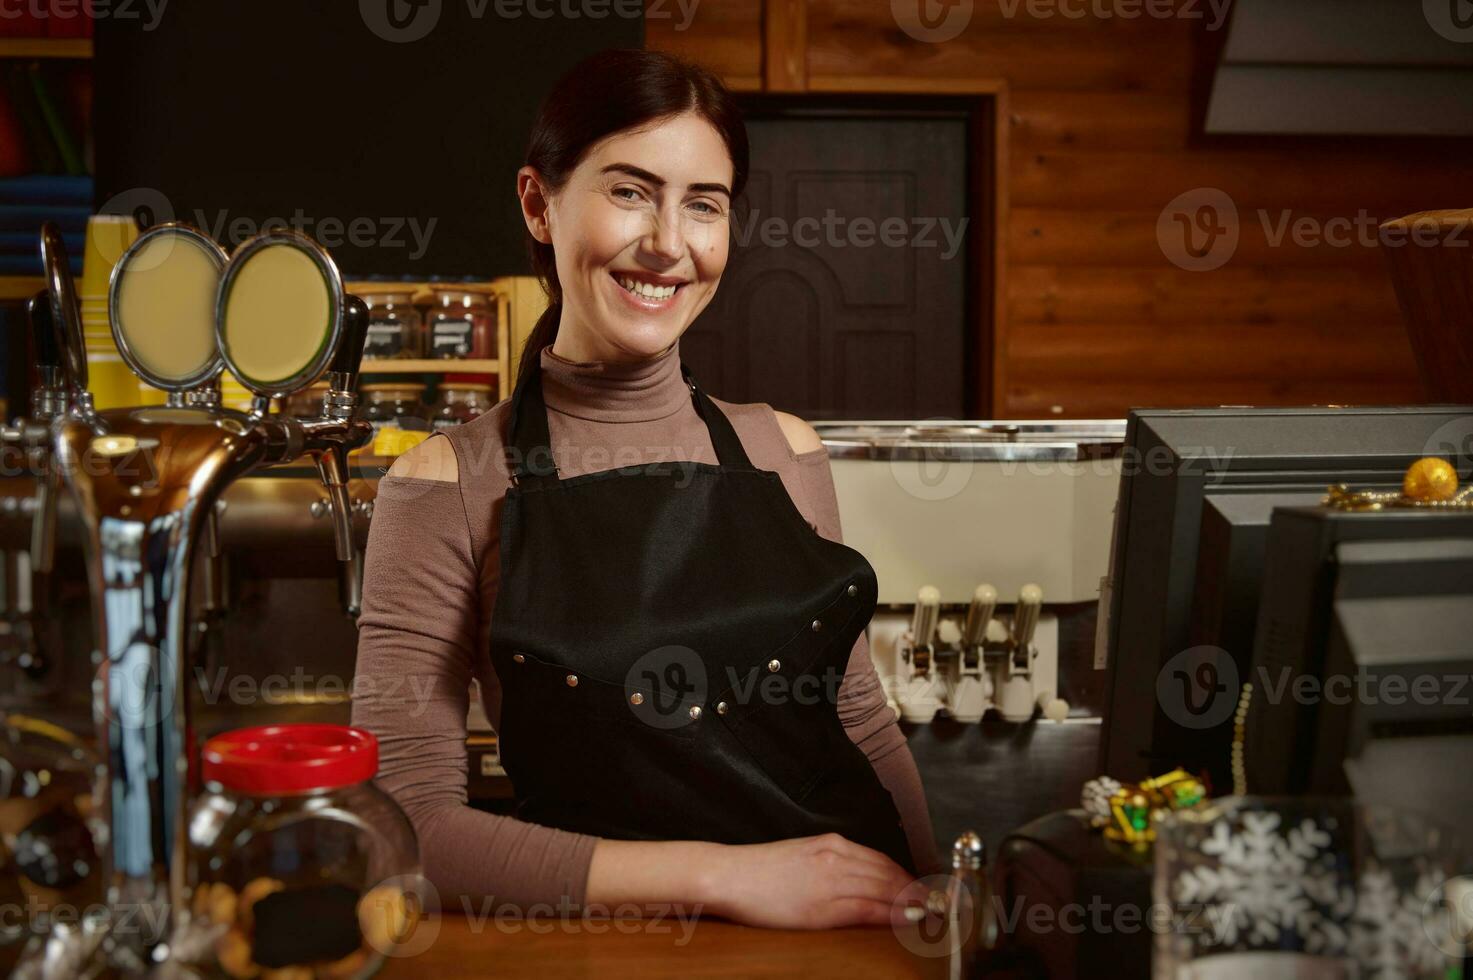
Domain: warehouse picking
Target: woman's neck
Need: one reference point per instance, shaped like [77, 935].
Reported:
[615, 391]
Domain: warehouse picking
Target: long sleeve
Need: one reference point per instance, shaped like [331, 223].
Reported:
[866, 715]
[420, 615]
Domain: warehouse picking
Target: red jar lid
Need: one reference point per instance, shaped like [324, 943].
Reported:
[274, 759]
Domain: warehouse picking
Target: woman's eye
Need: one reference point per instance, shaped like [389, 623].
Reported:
[627, 193]
[705, 207]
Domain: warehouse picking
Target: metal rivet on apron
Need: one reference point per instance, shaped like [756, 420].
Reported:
[817, 625]
[774, 666]
[853, 590]
[721, 707]
[519, 658]
[695, 712]
[636, 698]
[572, 680]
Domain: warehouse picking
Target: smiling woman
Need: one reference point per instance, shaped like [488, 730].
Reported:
[620, 558]
[648, 186]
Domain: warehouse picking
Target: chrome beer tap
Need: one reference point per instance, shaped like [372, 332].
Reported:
[61, 373]
[329, 439]
[147, 481]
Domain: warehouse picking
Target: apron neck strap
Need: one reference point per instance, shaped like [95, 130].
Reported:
[529, 446]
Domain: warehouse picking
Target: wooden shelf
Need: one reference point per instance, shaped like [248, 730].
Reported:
[20, 287]
[45, 47]
[431, 366]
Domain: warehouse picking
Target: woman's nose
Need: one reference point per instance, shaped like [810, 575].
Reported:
[665, 238]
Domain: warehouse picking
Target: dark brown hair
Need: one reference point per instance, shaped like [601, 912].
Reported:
[604, 94]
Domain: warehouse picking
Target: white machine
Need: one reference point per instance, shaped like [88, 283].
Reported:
[1024, 508]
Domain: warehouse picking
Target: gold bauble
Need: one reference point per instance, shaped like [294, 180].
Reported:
[1430, 479]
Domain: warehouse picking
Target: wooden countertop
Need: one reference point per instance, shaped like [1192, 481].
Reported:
[464, 948]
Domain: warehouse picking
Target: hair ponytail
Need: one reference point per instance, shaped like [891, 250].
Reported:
[603, 94]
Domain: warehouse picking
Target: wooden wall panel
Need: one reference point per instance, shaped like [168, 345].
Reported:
[726, 37]
[1097, 318]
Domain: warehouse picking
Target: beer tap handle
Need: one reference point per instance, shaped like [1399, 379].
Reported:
[47, 347]
[48, 401]
[343, 371]
[67, 315]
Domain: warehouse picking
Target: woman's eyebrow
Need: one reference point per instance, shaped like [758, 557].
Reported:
[639, 173]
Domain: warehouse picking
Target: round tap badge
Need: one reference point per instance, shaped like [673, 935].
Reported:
[279, 313]
[161, 306]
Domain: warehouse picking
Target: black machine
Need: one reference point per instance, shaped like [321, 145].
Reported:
[1363, 665]
[1221, 545]
[1191, 534]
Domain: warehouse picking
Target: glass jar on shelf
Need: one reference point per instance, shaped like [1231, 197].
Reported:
[462, 322]
[395, 327]
[460, 402]
[51, 823]
[397, 412]
[299, 863]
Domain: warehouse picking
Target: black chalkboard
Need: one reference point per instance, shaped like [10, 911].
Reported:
[391, 130]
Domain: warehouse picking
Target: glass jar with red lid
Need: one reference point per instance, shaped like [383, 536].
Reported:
[298, 862]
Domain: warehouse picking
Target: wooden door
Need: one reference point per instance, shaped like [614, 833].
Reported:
[848, 292]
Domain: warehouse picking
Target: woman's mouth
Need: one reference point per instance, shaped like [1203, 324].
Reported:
[647, 293]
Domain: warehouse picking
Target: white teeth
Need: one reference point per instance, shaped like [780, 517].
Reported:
[646, 290]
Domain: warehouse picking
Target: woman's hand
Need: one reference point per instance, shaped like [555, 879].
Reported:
[821, 882]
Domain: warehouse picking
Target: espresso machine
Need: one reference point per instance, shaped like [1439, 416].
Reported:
[147, 483]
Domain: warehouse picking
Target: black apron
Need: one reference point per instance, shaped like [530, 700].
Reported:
[670, 639]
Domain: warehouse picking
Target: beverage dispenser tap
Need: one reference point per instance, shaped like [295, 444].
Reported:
[917, 694]
[147, 481]
[329, 439]
[61, 373]
[968, 689]
[1014, 676]
[66, 317]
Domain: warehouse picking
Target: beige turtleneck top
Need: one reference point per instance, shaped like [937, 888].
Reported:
[430, 583]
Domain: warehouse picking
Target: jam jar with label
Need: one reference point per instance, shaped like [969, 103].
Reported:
[460, 401]
[462, 322]
[299, 864]
[395, 404]
[395, 327]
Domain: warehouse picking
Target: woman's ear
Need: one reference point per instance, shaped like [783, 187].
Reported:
[535, 203]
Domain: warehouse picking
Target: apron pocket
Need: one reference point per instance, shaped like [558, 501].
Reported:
[796, 744]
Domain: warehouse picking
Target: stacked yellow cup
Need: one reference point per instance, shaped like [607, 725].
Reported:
[113, 384]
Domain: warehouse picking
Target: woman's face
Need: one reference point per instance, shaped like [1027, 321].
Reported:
[640, 231]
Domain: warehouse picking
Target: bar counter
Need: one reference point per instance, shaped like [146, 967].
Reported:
[464, 947]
